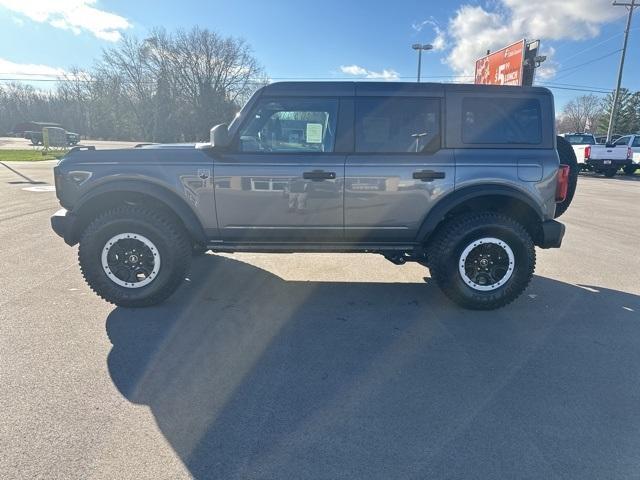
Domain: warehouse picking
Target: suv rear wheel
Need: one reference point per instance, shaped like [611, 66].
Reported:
[482, 261]
[133, 256]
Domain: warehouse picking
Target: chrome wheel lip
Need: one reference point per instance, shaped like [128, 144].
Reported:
[135, 236]
[476, 243]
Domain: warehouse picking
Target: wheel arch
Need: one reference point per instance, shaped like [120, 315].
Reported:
[496, 198]
[111, 194]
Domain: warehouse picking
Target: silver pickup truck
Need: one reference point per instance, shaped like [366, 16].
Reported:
[464, 179]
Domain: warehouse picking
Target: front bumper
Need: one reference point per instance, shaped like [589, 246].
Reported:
[62, 222]
[552, 234]
[601, 165]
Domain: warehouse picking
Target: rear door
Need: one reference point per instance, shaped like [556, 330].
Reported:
[281, 180]
[399, 168]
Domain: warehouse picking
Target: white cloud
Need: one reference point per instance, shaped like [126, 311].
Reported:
[439, 42]
[29, 70]
[357, 70]
[473, 29]
[73, 15]
[353, 70]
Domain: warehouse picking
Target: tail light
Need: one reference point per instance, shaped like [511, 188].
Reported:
[562, 187]
[587, 152]
[629, 153]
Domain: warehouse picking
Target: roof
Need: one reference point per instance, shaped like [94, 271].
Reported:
[388, 88]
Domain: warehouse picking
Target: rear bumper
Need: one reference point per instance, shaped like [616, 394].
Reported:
[552, 234]
[62, 222]
[601, 165]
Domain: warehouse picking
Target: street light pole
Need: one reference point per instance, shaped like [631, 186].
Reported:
[420, 47]
[616, 94]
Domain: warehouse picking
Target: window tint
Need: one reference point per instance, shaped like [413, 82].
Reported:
[291, 125]
[622, 141]
[580, 139]
[397, 125]
[501, 120]
[636, 141]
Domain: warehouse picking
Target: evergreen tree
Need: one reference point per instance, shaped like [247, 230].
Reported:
[627, 118]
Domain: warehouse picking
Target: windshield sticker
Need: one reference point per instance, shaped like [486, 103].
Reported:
[314, 133]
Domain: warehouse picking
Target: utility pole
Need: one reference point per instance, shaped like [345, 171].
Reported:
[420, 47]
[616, 94]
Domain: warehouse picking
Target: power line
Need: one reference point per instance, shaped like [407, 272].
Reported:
[574, 89]
[573, 67]
[292, 77]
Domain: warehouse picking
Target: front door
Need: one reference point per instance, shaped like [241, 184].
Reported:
[398, 170]
[281, 180]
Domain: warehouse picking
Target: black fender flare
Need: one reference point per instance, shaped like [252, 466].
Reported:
[440, 210]
[164, 195]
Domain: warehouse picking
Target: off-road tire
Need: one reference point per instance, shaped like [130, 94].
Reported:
[610, 173]
[444, 253]
[630, 169]
[567, 157]
[172, 242]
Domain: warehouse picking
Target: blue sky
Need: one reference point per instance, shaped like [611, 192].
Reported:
[337, 39]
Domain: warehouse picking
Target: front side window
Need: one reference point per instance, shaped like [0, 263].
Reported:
[501, 120]
[291, 125]
[397, 124]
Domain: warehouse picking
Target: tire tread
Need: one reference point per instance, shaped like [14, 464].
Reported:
[112, 293]
[442, 249]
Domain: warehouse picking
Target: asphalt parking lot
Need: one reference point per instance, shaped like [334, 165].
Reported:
[321, 366]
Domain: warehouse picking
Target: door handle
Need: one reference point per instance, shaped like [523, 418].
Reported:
[319, 175]
[428, 175]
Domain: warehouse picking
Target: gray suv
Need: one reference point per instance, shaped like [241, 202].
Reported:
[464, 179]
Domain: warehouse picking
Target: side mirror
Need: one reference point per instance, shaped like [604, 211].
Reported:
[220, 135]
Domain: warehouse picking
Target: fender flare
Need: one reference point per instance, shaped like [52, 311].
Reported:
[170, 199]
[440, 210]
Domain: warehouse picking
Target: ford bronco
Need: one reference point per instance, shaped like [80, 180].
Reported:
[464, 179]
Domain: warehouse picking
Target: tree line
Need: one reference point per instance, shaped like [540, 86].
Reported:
[171, 86]
[591, 113]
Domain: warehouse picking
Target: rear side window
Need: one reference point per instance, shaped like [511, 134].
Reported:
[397, 124]
[501, 120]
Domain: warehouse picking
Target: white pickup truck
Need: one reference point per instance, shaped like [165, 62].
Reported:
[608, 159]
[633, 143]
[579, 141]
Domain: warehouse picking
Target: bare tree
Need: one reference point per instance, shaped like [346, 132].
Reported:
[582, 113]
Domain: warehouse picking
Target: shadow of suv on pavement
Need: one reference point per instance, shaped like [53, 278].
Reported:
[250, 376]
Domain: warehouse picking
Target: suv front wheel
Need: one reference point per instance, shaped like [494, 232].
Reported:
[482, 261]
[134, 256]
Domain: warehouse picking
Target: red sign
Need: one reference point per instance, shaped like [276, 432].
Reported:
[503, 67]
